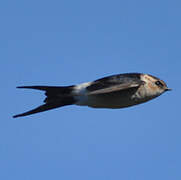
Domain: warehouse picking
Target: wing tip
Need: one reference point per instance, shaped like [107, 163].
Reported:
[17, 115]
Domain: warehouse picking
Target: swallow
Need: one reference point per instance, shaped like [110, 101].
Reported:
[116, 91]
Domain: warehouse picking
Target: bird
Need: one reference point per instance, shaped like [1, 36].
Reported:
[113, 92]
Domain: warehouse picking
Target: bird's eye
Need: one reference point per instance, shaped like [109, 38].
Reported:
[158, 83]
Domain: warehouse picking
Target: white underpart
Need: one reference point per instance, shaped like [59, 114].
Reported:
[80, 93]
[80, 89]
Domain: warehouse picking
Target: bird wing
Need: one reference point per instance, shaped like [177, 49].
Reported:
[114, 88]
[113, 84]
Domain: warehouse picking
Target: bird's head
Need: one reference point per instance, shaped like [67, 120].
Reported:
[153, 85]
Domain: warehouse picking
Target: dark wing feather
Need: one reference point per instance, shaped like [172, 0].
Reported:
[114, 83]
[114, 88]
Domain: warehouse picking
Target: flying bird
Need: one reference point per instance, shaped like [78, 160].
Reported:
[116, 91]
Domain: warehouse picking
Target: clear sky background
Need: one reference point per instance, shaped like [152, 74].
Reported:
[68, 42]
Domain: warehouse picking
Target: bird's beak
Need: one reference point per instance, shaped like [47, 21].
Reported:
[168, 89]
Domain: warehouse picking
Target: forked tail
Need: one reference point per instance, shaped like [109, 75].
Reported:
[56, 96]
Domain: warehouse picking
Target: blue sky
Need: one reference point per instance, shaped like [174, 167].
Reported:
[69, 42]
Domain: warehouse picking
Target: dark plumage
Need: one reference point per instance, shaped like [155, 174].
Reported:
[116, 91]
